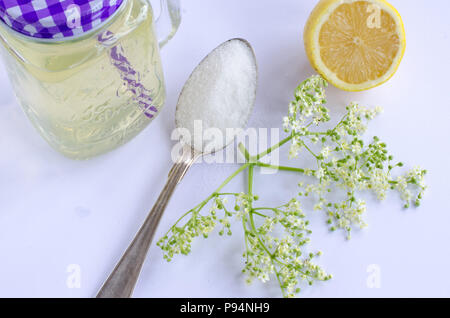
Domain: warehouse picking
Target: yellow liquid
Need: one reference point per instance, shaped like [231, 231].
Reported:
[91, 94]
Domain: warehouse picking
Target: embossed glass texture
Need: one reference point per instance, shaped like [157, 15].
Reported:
[90, 94]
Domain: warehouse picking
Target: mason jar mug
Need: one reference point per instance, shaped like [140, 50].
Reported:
[87, 73]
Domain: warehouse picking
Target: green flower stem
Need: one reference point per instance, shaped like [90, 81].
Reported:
[310, 151]
[252, 221]
[267, 209]
[246, 239]
[277, 275]
[284, 168]
[234, 174]
[250, 179]
[253, 227]
[259, 214]
[214, 194]
[179, 220]
[251, 212]
[269, 150]
[253, 160]
[244, 151]
[340, 122]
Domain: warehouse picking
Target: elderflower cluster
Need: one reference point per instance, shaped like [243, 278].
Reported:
[276, 238]
[356, 119]
[414, 177]
[306, 109]
[179, 239]
[283, 256]
[243, 205]
[344, 161]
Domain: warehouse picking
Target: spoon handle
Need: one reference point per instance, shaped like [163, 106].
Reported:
[121, 282]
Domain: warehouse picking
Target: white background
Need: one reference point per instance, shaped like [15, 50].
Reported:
[55, 212]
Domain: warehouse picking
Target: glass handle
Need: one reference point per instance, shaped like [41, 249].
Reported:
[168, 21]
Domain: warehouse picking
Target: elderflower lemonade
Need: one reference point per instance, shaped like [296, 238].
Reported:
[90, 92]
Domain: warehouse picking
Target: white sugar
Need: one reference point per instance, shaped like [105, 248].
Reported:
[220, 92]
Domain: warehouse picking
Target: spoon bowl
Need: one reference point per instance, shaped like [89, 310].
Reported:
[193, 101]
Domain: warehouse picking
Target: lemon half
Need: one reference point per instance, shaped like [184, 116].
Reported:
[355, 44]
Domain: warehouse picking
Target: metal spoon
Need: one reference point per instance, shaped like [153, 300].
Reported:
[122, 280]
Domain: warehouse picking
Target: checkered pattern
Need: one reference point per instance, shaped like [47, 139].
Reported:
[56, 19]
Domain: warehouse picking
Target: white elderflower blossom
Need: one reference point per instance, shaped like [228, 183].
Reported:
[276, 238]
[320, 173]
[295, 148]
[356, 148]
[325, 152]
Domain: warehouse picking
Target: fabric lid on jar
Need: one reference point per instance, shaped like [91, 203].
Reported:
[56, 19]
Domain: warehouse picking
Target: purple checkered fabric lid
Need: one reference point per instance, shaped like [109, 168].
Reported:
[56, 19]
